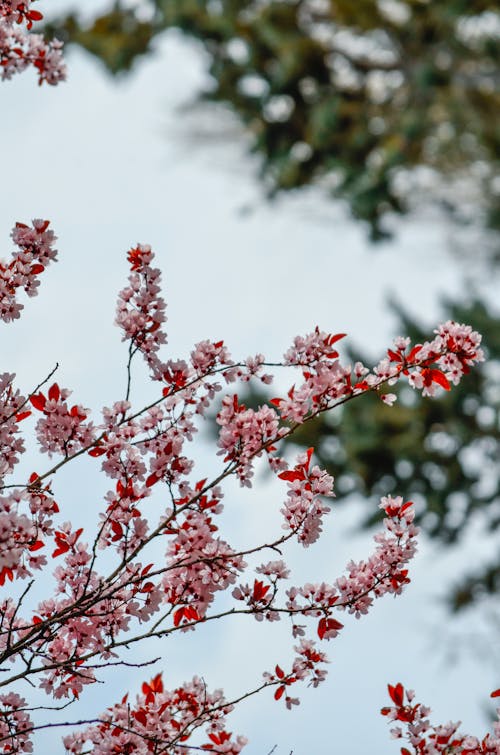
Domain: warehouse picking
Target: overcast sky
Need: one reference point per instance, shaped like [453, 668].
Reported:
[109, 162]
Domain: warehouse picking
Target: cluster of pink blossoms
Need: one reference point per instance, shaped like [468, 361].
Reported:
[20, 49]
[36, 251]
[425, 738]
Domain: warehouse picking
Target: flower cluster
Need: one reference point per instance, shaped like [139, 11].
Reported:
[425, 738]
[61, 430]
[20, 50]
[246, 434]
[36, 251]
[160, 719]
[304, 508]
[15, 724]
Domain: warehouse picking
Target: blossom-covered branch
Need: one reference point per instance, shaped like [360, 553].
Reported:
[63, 640]
[425, 738]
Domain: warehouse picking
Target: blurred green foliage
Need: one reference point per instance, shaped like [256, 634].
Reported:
[382, 102]
[444, 453]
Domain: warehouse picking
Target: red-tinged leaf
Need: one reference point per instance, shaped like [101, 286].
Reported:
[309, 453]
[413, 353]
[38, 400]
[124, 699]
[21, 225]
[147, 587]
[178, 616]
[404, 751]
[22, 415]
[33, 476]
[396, 694]
[335, 338]
[36, 546]
[34, 15]
[279, 692]
[291, 475]
[276, 401]
[259, 590]
[156, 683]
[146, 570]
[385, 711]
[394, 356]
[438, 377]
[362, 386]
[191, 613]
[496, 693]
[218, 344]
[6, 573]
[63, 548]
[37, 620]
[279, 672]
[36, 269]
[78, 533]
[327, 625]
[97, 451]
[117, 530]
[200, 484]
[152, 480]
[54, 508]
[140, 715]
[75, 412]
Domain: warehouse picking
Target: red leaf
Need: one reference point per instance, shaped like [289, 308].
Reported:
[496, 693]
[152, 480]
[279, 692]
[327, 625]
[38, 400]
[394, 356]
[97, 451]
[22, 415]
[334, 339]
[279, 672]
[36, 546]
[37, 620]
[33, 476]
[140, 716]
[396, 693]
[291, 475]
[54, 392]
[178, 616]
[6, 573]
[34, 15]
[276, 401]
[156, 683]
[259, 590]
[37, 269]
[118, 531]
[438, 377]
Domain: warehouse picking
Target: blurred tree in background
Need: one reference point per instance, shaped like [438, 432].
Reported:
[384, 102]
[387, 104]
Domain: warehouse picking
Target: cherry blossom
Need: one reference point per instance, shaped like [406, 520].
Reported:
[20, 49]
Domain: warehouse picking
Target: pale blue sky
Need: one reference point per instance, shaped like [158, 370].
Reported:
[107, 162]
